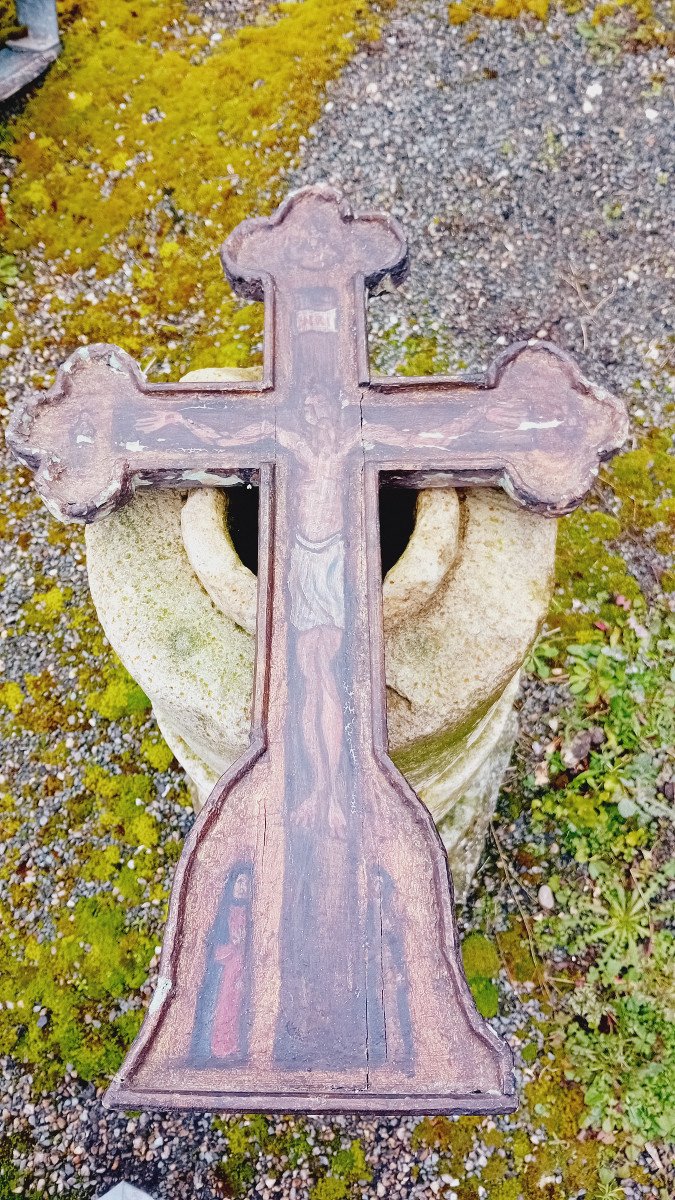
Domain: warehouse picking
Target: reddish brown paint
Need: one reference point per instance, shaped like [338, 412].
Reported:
[342, 967]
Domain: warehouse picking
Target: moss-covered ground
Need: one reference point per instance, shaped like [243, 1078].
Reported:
[609, 26]
[123, 182]
[10, 26]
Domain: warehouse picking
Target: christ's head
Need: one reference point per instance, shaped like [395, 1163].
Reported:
[319, 412]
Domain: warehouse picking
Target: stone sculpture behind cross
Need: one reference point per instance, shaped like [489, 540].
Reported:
[334, 982]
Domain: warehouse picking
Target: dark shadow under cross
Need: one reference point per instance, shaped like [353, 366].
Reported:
[311, 957]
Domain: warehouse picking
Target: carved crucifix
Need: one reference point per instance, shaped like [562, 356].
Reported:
[311, 957]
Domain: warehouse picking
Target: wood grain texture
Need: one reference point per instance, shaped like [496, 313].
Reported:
[311, 959]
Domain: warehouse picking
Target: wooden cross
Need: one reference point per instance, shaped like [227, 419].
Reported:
[311, 958]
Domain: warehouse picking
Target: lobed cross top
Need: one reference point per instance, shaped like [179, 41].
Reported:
[533, 423]
[311, 957]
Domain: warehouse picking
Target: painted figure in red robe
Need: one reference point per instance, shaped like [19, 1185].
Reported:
[221, 1023]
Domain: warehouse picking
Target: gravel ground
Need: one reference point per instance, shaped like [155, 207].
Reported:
[532, 179]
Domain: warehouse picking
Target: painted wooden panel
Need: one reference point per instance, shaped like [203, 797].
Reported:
[311, 959]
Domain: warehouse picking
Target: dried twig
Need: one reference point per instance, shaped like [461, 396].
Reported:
[510, 875]
[591, 310]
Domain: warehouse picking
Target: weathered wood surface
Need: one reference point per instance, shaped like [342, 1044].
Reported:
[311, 958]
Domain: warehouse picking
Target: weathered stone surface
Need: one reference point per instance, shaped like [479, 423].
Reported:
[461, 608]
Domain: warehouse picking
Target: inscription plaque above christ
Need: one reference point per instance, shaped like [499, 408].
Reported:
[311, 957]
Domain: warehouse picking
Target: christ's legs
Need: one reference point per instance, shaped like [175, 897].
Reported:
[320, 1006]
[322, 722]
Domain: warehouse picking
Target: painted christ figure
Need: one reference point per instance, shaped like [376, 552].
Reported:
[322, 898]
[322, 1014]
[317, 606]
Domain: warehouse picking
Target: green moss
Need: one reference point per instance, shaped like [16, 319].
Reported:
[421, 356]
[119, 698]
[44, 710]
[122, 806]
[250, 1137]
[508, 1189]
[643, 481]
[486, 996]
[101, 865]
[157, 753]
[529, 1053]
[514, 946]
[57, 993]
[431, 753]
[613, 25]
[590, 573]
[463, 10]
[8, 268]
[14, 1182]
[590, 569]
[65, 987]
[216, 161]
[349, 1164]
[481, 965]
[518, 1167]
[245, 1143]
[668, 581]
[520, 1147]
[577, 1164]
[557, 1104]
[11, 696]
[44, 608]
[480, 957]
[329, 1189]
[454, 1138]
[9, 815]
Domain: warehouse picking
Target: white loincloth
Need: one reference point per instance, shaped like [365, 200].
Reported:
[316, 583]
